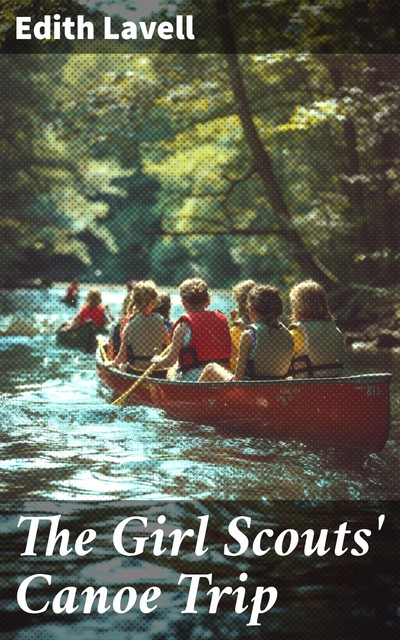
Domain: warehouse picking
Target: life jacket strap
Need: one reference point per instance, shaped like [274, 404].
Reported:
[250, 373]
[310, 368]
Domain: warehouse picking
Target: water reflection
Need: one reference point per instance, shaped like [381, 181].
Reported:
[60, 439]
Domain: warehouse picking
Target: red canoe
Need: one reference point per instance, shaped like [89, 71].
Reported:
[350, 411]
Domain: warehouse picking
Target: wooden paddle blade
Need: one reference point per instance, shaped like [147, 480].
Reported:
[120, 402]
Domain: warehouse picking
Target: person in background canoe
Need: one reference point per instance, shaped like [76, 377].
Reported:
[116, 331]
[145, 333]
[92, 310]
[72, 294]
[199, 336]
[130, 284]
[318, 343]
[239, 316]
[266, 345]
[164, 309]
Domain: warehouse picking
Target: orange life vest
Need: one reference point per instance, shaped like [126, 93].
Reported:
[210, 339]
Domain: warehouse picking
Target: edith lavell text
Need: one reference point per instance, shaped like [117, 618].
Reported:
[54, 27]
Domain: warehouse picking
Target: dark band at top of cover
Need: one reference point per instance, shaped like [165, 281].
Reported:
[214, 26]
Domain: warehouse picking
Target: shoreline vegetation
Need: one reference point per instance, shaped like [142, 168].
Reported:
[275, 166]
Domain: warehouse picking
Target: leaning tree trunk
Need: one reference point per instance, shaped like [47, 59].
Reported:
[261, 159]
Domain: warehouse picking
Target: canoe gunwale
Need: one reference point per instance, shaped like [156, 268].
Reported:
[364, 378]
[352, 411]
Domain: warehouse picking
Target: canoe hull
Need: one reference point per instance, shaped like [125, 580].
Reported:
[72, 302]
[83, 338]
[352, 412]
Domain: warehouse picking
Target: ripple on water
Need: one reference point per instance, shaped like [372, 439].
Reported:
[60, 438]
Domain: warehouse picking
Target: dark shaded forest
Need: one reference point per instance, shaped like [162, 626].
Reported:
[231, 165]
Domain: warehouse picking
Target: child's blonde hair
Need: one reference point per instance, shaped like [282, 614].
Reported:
[194, 292]
[93, 298]
[309, 302]
[240, 293]
[266, 301]
[142, 294]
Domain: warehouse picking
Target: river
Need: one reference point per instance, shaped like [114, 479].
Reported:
[67, 454]
[60, 440]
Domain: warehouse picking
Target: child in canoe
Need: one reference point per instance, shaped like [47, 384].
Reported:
[164, 309]
[239, 316]
[72, 294]
[92, 310]
[144, 333]
[318, 343]
[199, 336]
[266, 346]
[116, 331]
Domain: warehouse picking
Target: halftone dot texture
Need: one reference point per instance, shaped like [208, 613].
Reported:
[272, 167]
[332, 593]
[275, 167]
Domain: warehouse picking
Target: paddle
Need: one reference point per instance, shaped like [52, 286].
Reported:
[102, 350]
[120, 402]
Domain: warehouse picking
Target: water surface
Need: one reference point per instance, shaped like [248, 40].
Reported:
[61, 440]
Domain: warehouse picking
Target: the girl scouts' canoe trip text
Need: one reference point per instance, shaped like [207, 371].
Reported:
[136, 535]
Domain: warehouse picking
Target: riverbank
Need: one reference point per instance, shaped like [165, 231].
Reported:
[369, 316]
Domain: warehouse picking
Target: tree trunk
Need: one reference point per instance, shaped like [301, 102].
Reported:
[354, 191]
[384, 78]
[261, 159]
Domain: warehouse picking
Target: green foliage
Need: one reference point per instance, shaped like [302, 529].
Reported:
[139, 165]
[53, 190]
[307, 122]
[354, 26]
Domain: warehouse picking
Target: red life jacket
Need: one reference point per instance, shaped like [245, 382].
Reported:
[210, 339]
[96, 314]
[72, 292]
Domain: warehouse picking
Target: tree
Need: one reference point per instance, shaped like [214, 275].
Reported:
[281, 160]
[53, 190]
[263, 166]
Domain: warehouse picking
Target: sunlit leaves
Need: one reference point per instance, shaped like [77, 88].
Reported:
[53, 185]
[326, 123]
